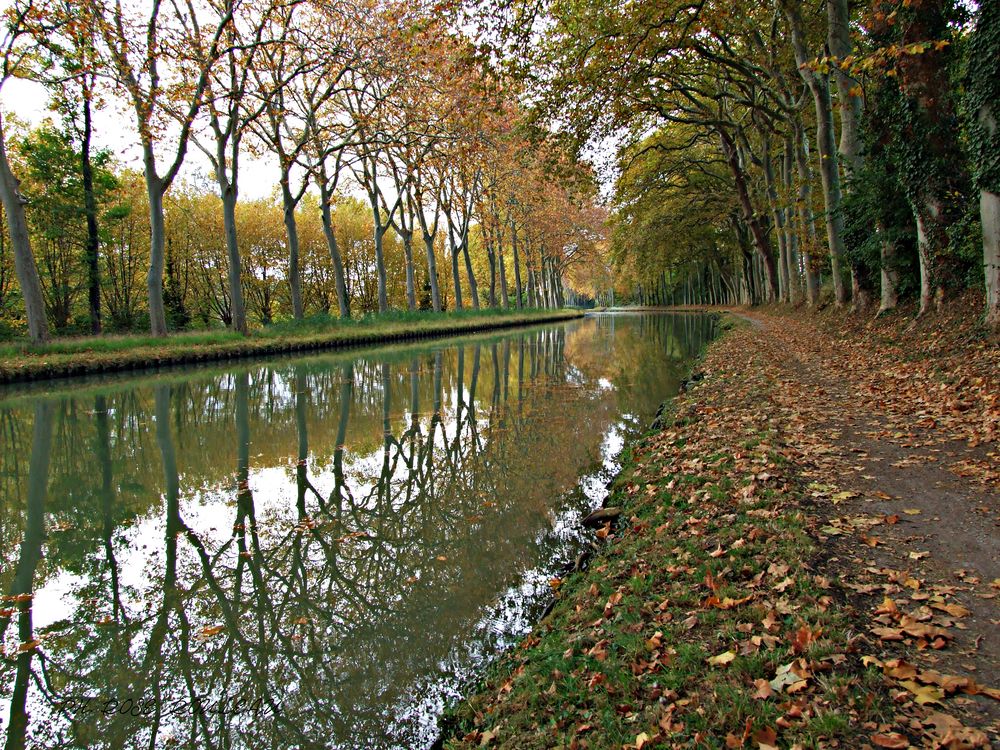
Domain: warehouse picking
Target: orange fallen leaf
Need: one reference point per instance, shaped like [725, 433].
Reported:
[894, 740]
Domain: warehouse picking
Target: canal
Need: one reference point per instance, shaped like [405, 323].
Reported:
[313, 551]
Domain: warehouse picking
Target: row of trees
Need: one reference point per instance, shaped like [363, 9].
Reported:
[774, 147]
[381, 100]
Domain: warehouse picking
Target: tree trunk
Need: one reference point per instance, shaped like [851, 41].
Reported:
[931, 241]
[455, 276]
[93, 246]
[930, 139]
[819, 86]
[830, 179]
[989, 210]
[432, 276]
[292, 234]
[383, 294]
[778, 212]
[517, 267]
[157, 243]
[343, 301]
[761, 244]
[791, 243]
[411, 291]
[473, 287]
[543, 280]
[492, 259]
[890, 276]
[503, 277]
[810, 240]
[839, 43]
[984, 135]
[238, 315]
[24, 259]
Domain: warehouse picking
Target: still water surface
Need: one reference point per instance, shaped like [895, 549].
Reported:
[310, 552]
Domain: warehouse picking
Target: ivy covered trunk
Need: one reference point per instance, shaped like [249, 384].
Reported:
[983, 95]
[932, 168]
[989, 208]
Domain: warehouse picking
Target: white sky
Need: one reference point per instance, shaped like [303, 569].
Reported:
[114, 130]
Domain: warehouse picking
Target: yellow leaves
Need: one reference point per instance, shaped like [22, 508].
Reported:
[955, 610]
[899, 669]
[842, 496]
[721, 660]
[923, 694]
[726, 602]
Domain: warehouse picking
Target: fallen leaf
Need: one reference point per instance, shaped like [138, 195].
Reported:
[893, 740]
[721, 659]
[923, 694]
[766, 738]
[764, 690]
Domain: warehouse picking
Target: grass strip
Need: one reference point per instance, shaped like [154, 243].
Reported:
[20, 362]
[702, 621]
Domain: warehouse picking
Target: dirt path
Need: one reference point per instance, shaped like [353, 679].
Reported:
[806, 556]
[899, 511]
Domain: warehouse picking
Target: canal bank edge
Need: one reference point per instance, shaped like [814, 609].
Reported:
[34, 367]
[700, 620]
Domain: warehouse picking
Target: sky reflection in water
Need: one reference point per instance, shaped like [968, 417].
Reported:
[338, 540]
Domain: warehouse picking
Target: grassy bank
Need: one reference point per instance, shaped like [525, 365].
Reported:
[21, 362]
[703, 621]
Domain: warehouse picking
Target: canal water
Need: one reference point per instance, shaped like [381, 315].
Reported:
[313, 551]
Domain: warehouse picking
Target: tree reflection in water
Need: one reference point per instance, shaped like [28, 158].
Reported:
[334, 542]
